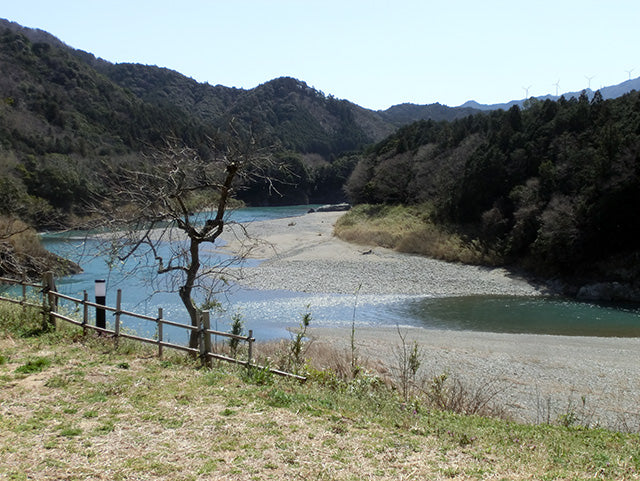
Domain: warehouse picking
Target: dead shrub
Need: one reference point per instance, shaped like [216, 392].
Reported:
[319, 357]
[21, 254]
[453, 395]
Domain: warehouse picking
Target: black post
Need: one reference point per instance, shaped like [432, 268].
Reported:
[101, 298]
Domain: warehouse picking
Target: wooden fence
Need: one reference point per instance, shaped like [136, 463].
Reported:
[205, 350]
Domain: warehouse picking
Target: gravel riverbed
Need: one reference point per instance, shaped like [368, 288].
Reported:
[534, 378]
[301, 254]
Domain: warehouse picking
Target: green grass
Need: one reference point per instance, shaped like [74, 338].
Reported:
[34, 365]
[87, 416]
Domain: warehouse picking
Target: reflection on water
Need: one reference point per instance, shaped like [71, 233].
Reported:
[274, 310]
[527, 315]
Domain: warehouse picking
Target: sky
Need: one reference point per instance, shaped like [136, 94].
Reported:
[375, 53]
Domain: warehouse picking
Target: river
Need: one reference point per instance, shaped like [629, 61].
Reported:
[270, 314]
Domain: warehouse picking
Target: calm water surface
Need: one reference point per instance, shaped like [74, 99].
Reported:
[271, 313]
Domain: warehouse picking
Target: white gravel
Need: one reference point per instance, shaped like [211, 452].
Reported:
[303, 255]
[536, 378]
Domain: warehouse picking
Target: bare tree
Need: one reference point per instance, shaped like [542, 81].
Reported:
[151, 208]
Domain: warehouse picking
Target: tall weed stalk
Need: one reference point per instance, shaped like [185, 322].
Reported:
[298, 346]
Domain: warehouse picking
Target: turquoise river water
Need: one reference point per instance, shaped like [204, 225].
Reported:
[271, 313]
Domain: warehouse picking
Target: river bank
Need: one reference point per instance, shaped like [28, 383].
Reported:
[536, 378]
[530, 378]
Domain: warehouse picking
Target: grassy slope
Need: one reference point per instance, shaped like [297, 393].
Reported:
[409, 229]
[76, 408]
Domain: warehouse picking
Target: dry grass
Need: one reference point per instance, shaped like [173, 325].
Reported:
[92, 411]
[410, 230]
[105, 417]
[22, 254]
[20, 236]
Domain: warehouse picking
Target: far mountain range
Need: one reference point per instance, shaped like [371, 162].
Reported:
[611, 92]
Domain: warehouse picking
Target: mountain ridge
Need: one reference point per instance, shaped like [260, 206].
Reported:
[395, 116]
[609, 92]
[377, 123]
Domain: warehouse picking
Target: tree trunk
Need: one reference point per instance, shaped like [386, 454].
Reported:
[187, 289]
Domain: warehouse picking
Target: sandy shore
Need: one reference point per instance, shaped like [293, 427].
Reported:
[538, 378]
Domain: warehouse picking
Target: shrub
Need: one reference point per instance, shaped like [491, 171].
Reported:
[237, 329]
[22, 254]
[410, 229]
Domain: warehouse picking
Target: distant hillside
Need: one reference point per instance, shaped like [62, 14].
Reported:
[66, 111]
[60, 119]
[215, 104]
[162, 86]
[283, 111]
[404, 114]
[65, 114]
[554, 188]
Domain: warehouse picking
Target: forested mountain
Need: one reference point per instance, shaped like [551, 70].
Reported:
[404, 114]
[555, 187]
[283, 111]
[59, 119]
[64, 113]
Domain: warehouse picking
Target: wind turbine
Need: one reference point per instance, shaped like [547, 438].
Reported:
[557, 84]
[629, 72]
[526, 91]
[590, 79]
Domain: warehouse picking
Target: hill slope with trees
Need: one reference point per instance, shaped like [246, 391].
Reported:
[554, 188]
[65, 114]
[64, 111]
[59, 119]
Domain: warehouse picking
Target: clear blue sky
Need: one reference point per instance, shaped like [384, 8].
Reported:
[376, 53]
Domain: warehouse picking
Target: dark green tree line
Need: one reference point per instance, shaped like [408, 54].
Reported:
[555, 186]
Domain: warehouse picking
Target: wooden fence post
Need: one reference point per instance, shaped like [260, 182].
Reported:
[48, 301]
[200, 332]
[215, 337]
[45, 310]
[160, 323]
[24, 295]
[118, 312]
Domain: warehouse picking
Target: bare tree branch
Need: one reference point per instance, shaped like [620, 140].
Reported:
[151, 211]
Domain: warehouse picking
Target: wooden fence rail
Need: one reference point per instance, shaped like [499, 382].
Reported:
[50, 314]
[24, 301]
